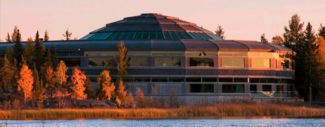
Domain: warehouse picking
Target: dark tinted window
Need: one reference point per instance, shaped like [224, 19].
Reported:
[145, 35]
[159, 79]
[267, 87]
[233, 88]
[112, 35]
[71, 62]
[167, 35]
[201, 62]
[225, 79]
[253, 88]
[176, 79]
[63, 54]
[138, 35]
[118, 36]
[179, 34]
[285, 64]
[131, 35]
[125, 35]
[152, 35]
[174, 36]
[160, 35]
[193, 79]
[254, 80]
[76, 53]
[201, 88]
[209, 79]
[128, 79]
[141, 79]
[240, 79]
[279, 87]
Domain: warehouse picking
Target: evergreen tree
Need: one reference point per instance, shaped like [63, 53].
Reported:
[294, 34]
[6, 74]
[29, 52]
[14, 34]
[263, 39]
[53, 53]
[67, 35]
[10, 54]
[8, 38]
[18, 47]
[220, 32]
[310, 50]
[47, 63]
[37, 85]
[46, 36]
[38, 52]
[321, 31]
[278, 40]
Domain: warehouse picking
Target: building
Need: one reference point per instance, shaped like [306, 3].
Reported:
[169, 53]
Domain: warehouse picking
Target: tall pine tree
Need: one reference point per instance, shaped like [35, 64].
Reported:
[294, 33]
[18, 47]
[53, 53]
[321, 31]
[14, 34]
[38, 52]
[46, 36]
[8, 38]
[263, 39]
[220, 32]
[67, 35]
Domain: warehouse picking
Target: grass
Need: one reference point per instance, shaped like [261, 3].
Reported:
[217, 110]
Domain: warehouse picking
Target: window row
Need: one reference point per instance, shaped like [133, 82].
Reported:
[137, 35]
[232, 88]
[176, 62]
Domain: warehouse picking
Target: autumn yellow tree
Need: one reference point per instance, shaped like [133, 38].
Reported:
[60, 74]
[122, 61]
[106, 87]
[25, 82]
[278, 40]
[49, 76]
[78, 79]
[152, 101]
[321, 67]
[140, 99]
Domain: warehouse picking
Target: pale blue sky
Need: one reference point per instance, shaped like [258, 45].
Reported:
[241, 20]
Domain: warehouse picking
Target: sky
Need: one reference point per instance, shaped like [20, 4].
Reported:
[241, 19]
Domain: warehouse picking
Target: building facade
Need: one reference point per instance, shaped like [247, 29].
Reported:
[169, 53]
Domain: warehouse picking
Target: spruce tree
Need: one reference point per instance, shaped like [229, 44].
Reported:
[10, 54]
[263, 39]
[220, 32]
[46, 36]
[321, 31]
[37, 85]
[14, 34]
[6, 74]
[8, 38]
[29, 52]
[53, 53]
[18, 47]
[38, 52]
[293, 33]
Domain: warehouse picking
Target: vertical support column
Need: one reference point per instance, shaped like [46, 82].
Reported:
[216, 62]
[273, 87]
[83, 61]
[219, 88]
[259, 88]
[150, 61]
[247, 88]
[215, 88]
[183, 62]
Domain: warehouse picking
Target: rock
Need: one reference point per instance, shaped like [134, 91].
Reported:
[113, 105]
[90, 104]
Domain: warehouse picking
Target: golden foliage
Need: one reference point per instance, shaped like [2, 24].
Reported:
[120, 92]
[25, 82]
[49, 75]
[60, 74]
[140, 99]
[129, 98]
[108, 87]
[122, 61]
[278, 40]
[118, 101]
[78, 79]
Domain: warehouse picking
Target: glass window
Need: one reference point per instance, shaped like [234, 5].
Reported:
[174, 79]
[63, 54]
[138, 61]
[240, 79]
[152, 35]
[94, 36]
[118, 36]
[193, 35]
[128, 79]
[112, 35]
[233, 88]
[71, 62]
[253, 54]
[92, 53]
[279, 87]
[125, 35]
[138, 35]
[179, 34]
[206, 36]
[201, 88]
[240, 53]
[285, 64]
[96, 62]
[203, 36]
[186, 35]
[145, 35]
[254, 80]
[225, 79]
[131, 36]
[106, 35]
[253, 88]
[232, 62]
[168, 62]
[198, 36]
[159, 79]
[167, 35]
[262, 63]
[141, 79]
[201, 62]
[267, 87]
[193, 79]
[76, 53]
[159, 35]
[174, 36]
[209, 79]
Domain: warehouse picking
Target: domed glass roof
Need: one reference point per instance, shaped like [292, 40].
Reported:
[150, 26]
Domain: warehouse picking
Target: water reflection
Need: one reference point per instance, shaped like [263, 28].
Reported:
[175, 122]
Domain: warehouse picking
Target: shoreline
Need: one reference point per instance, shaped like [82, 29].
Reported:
[219, 110]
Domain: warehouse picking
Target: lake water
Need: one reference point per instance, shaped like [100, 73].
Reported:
[179, 122]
